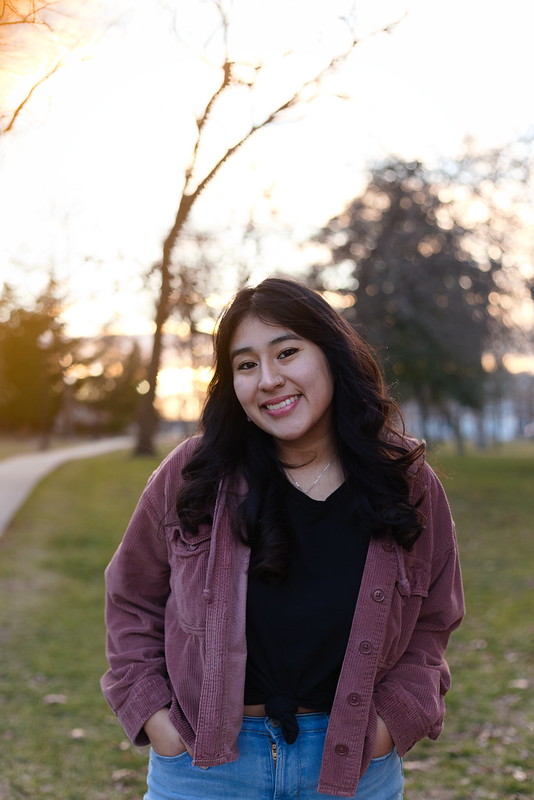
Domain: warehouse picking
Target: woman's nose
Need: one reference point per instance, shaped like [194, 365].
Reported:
[270, 379]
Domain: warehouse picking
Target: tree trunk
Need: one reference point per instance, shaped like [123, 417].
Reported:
[453, 418]
[148, 417]
[148, 420]
[421, 399]
[482, 441]
[454, 422]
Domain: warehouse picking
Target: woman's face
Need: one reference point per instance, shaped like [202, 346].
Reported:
[282, 381]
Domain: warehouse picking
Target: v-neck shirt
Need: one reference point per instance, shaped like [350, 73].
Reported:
[297, 631]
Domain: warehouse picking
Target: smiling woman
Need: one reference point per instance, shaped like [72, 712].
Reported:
[280, 604]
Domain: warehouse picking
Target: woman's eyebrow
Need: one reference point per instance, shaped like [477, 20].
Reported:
[278, 340]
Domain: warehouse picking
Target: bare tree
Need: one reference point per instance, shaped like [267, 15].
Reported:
[232, 74]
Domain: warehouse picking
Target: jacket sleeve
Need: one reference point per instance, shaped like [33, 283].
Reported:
[410, 697]
[137, 587]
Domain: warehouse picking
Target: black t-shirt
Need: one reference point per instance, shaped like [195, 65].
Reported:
[297, 631]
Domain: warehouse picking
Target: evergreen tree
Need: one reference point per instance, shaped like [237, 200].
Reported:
[112, 394]
[31, 348]
[419, 297]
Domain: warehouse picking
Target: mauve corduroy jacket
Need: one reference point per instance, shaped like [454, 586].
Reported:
[175, 616]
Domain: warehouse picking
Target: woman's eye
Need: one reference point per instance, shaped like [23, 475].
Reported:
[289, 351]
[245, 365]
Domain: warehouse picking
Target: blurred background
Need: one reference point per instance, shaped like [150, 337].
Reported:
[155, 156]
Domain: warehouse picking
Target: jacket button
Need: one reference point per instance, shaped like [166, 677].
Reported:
[378, 595]
[341, 750]
[354, 699]
[388, 545]
[365, 648]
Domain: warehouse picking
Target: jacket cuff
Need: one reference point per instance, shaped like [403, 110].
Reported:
[405, 718]
[144, 699]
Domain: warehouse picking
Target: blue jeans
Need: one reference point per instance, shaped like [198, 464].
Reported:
[268, 768]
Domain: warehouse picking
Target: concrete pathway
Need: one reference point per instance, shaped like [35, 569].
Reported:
[20, 474]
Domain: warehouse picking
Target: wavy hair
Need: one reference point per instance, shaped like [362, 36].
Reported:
[368, 430]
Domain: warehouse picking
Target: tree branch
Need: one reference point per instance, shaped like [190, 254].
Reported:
[226, 79]
[332, 66]
[231, 150]
[25, 101]
[30, 18]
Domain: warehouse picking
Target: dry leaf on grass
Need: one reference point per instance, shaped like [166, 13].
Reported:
[123, 774]
[520, 683]
[55, 699]
[423, 766]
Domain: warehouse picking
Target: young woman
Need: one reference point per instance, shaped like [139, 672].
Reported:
[279, 607]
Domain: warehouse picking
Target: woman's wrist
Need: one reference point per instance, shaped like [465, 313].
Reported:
[383, 743]
[164, 738]
[155, 722]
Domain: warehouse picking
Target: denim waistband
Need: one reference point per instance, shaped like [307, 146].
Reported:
[317, 721]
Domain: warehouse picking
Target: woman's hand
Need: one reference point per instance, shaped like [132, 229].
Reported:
[164, 738]
[383, 742]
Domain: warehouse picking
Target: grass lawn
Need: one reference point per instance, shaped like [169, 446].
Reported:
[487, 746]
[59, 740]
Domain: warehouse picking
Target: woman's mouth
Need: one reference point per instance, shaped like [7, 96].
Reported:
[282, 405]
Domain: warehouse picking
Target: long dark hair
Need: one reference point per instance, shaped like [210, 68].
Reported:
[368, 433]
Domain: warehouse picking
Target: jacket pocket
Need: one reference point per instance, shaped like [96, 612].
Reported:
[189, 559]
[408, 596]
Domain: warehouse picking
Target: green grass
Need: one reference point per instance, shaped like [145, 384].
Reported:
[486, 749]
[52, 637]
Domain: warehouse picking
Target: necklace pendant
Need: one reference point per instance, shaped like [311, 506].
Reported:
[316, 481]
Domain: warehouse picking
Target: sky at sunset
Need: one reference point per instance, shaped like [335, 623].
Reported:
[91, 172]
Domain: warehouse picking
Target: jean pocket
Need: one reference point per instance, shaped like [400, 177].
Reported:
[168, 758]
[385, 757]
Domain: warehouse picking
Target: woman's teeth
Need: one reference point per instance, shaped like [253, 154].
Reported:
[276, 406]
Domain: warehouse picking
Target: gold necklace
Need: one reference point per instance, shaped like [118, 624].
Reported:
[316, 481]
